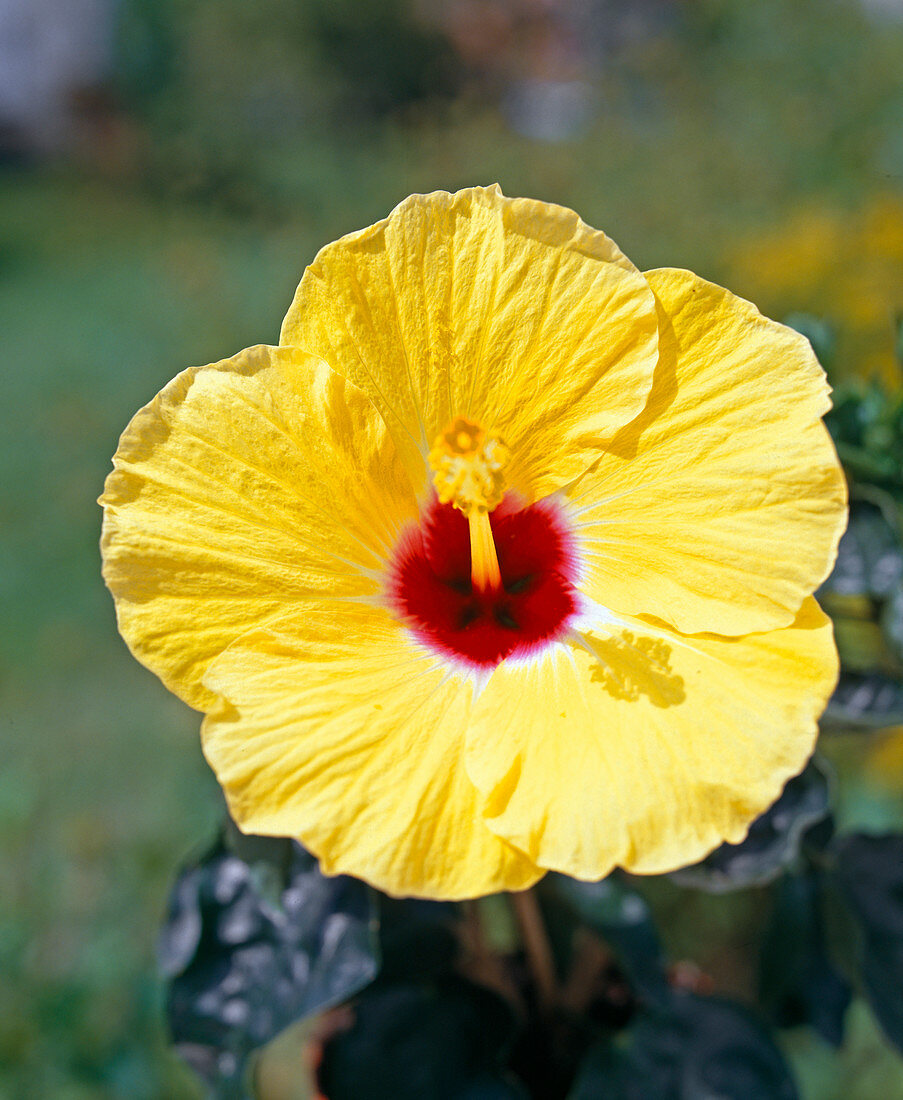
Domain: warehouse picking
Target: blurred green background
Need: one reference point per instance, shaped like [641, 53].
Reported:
[161, 191]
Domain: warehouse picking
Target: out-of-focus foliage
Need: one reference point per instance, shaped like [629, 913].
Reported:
[228, 98]
[799, 983]
[225, 92]
[869, 873]
[867, 425]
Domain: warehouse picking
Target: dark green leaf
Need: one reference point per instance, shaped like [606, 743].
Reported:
[869, 872]
[181, 934]
[844, 420]
[773, 840]
[417, 938]
[493, 1086]
[443, 1040]
[869, 558]
[247, 956]
[702, 1048]
[620, 1072]
[623, 919]
[865, 701]
[798, 982]
[874, 467]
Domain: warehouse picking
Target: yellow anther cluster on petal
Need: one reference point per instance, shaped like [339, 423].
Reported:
[468, 464]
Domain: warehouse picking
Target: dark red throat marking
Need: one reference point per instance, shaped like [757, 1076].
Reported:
[431, 592]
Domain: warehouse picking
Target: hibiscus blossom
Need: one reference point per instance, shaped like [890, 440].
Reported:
[500, 562]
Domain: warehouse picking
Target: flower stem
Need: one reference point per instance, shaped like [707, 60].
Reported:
[536, 946]
[484, 965]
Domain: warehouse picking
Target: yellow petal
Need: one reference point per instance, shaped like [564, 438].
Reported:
[650, 748]
[721, 506]
[340, 731]
[242, 488]
[510, 312]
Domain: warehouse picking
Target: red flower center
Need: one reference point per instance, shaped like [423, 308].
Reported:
[431, 591]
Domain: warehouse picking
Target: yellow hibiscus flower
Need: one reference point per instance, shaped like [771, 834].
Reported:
[501, 562]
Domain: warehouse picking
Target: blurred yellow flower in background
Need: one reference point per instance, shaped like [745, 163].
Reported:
[884, 761]
[845, 267]
[501, 562]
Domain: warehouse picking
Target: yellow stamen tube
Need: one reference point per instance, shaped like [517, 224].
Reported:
[467, 464]
[484, 562]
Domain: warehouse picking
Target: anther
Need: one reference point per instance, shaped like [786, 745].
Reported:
[468, 463]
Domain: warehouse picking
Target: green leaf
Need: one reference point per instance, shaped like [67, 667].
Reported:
[773, 840]
[865, 701]
[861, 643]
[249, 952]
[869, 558]
[863, 465]
[892, 620]
[445, 1039]
[869, 873]
[701, 1048]
[623, 919]
[798, 982]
